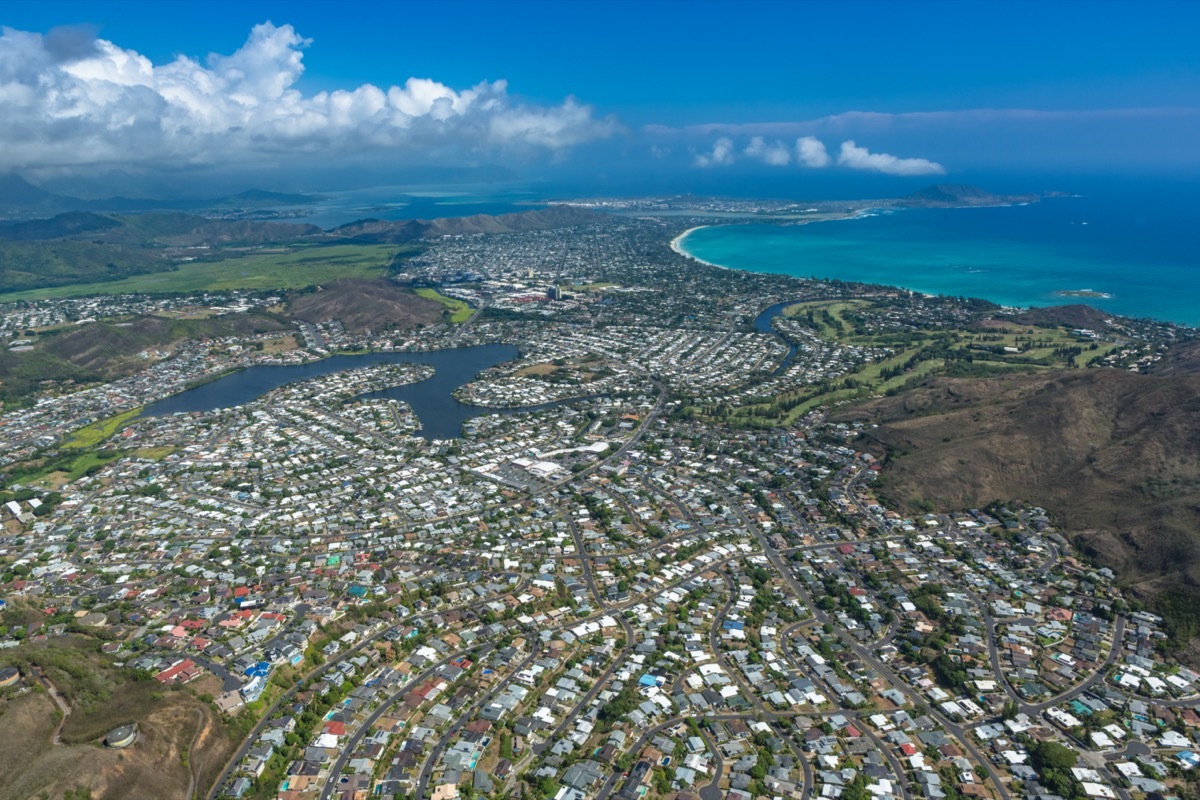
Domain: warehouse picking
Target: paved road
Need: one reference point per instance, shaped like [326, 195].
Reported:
[712, 790]
[435, 755]
[958, 731]
[252, 737]
[335, 772]
[890, 754]
[466, 325]
[597, 687]
[1113, 653]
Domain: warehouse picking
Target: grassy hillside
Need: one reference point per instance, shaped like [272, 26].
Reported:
[182, 742]
[23, 373]
[27, 265]
[112, 349]
[284, 268]
[73, 223]
[155, 229]
[80, 252]
[81, 247]
[105, 350]
[186, 230]
[381, 231]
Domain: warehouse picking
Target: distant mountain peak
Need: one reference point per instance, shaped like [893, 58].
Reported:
[392, 232]
[945, 195]
[16, 191]
[950, 191]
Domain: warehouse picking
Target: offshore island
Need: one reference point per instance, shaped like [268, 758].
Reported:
[536, 505]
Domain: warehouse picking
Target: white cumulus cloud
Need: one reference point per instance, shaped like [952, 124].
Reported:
[721, 154]
[810, 151]
[69, 99]
[774, 154]
[856, 157]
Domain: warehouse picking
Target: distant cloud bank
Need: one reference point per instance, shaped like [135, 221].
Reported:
[857, 157]
[71, 99]
[74, 103]
[721, 154]
[921, 143]
[810, 152]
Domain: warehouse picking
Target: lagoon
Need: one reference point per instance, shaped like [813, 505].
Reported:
[432, 399]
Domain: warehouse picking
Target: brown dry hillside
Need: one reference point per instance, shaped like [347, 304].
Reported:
[1182, 359]
[152, 769]
[1116, 456]
[182, 744]
[112, 348]
[1075, 315]
[362, 304]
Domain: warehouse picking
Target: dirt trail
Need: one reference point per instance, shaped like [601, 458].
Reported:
[201, 727]
[63, 706]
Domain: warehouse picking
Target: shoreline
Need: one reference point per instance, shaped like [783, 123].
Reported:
[677, 246]
[1065, 295]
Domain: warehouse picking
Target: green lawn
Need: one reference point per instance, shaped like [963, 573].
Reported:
[460, 312]
[836, 308]
[828, 315]
[294, 269]
[97, 432]
[82, 465]
[65, 471]
[154, 453]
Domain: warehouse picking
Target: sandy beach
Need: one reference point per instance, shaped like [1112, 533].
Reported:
[831, 216]
[678, 248]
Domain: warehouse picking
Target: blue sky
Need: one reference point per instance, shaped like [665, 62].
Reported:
[677, 88]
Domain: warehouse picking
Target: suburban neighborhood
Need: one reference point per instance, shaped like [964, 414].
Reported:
[610, 582]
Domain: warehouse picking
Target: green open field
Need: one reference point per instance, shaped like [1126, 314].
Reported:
[97, 432]
[62, 471]
[835, 308]
[79, 455]
[154, 453]
[294, 269]
[460, 312]
[917, 353]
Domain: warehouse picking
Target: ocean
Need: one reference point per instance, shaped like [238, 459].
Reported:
[1132, 250]
[420, 202]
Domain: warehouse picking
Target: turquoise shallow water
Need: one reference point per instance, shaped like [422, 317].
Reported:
[1143, 254]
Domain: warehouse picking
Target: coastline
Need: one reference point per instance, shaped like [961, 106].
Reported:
[1022, 289]
[675, 242]
[677, 246]
[835, 216]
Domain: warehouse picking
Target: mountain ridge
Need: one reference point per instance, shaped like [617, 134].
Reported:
[1114, 455]
[376, 231]
[20, 197]
[959, 195]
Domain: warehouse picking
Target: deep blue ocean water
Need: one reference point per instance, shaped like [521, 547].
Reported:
[1138, 245]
